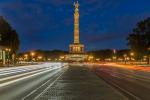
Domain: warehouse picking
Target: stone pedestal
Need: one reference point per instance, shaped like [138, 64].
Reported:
[76, 48]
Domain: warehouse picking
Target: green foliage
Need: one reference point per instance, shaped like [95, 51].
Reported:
[139, 40]
[9, 37]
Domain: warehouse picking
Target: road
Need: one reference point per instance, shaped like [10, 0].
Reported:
[133, 82]
[55, 82]
[78, 82]
[25, 82]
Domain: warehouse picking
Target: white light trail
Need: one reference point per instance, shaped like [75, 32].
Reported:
[34, 71]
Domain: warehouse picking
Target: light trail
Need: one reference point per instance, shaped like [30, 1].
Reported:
[8, 71]
[24, 72]
[132, 67]
[131, 81]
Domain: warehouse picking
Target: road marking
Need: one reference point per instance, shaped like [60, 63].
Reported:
[20, 75]
[37, 88]
[13, 81]
[48, 87]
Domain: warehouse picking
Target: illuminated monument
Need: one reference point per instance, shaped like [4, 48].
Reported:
[76, 47]
[76, 50]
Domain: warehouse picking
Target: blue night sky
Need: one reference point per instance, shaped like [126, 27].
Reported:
[48, 24]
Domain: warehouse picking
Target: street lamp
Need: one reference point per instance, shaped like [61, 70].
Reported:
[26, 57]
[149, 56]
[32, 55]
[114, 55]
[8, 50]
[40, 58]
[131, 56]
[90, 58]
[125, 58]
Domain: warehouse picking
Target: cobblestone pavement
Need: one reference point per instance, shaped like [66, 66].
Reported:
[79, 83]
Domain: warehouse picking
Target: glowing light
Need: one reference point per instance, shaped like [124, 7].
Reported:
[40, 57]
[8, 49]
[26, 55]
[114, 57]
[32, 53]
[125, 55]
[131, 54]
[62, 57]
[49, 59]
[98, 59]
[114, 51]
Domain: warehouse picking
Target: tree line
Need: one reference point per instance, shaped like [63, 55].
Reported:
[139, 39]
[8, 36]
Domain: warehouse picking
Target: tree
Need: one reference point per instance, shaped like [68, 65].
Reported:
[9, 37]
[139, 40]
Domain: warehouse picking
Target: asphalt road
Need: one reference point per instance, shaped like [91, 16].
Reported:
[78, 82]
[52, 81]
[26, 82]
[135, 84]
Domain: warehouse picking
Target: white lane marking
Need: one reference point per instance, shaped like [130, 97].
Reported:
[48, 87]
[5, 72]
[18, 72]
[9, 71]
[37, 88]
[15, 76]
[16, 80]
[14, 68]
[34, 66]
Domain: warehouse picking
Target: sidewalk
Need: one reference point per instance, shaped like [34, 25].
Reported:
[79, 83]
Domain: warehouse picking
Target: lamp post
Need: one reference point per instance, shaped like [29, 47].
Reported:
[131, 56]
[40, 58]
[26, 57]
[8, 50]
[32, 55]
[149, 56]
[125, 58]
[114, 55]
[90, 58]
